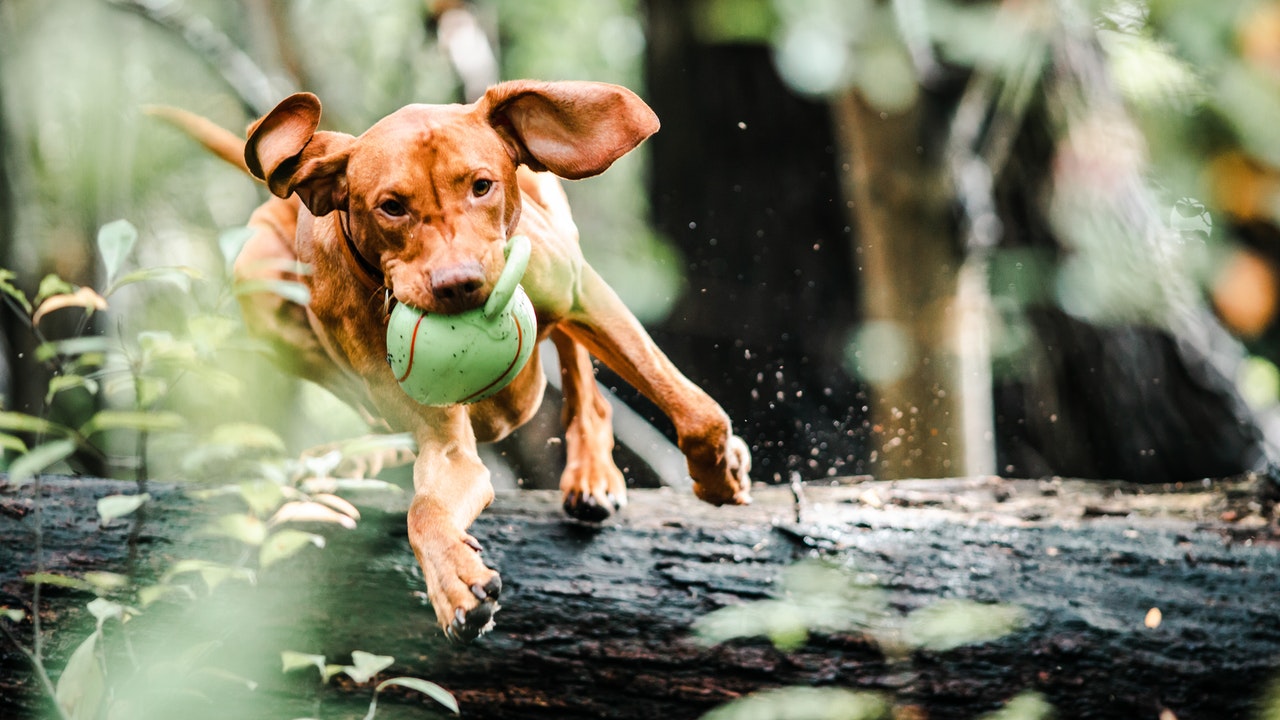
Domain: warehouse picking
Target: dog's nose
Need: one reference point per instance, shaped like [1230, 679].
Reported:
[458, 286]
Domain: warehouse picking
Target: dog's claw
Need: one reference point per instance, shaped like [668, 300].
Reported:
[490, 590]
[468, 625]
[473, 544]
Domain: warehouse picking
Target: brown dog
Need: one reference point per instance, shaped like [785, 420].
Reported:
[420, 207]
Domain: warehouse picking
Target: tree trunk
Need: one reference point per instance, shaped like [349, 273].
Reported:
[596, 621]
[909, 260]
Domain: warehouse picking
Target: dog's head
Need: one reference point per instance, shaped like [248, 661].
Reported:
[430, 191]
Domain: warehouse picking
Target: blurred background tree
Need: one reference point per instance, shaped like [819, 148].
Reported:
[913, 238]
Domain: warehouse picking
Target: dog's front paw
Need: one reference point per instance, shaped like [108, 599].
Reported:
[462, 589]
[467, 625]
[731, 483]
[592, 486]
[593, 507]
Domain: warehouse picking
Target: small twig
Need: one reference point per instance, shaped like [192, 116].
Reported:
[37, 643]
[797, 494]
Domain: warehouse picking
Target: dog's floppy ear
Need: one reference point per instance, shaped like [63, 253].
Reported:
[573, 129]
[286, 152]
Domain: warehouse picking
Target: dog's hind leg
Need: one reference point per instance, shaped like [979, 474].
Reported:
[268, 258]
[592, 486]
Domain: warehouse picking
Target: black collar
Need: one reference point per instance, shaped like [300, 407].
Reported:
[369, 274]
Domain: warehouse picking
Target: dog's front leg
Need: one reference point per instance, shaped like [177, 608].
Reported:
[450, 488]
[719, 461]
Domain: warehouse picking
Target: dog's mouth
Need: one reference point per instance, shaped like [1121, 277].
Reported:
[434, 304]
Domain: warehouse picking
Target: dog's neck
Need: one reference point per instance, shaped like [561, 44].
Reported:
[369, 274]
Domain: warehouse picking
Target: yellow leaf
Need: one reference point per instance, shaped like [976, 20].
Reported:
[84, 297]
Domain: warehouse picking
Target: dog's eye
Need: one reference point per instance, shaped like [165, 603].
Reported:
[394, 208]
[480, 188]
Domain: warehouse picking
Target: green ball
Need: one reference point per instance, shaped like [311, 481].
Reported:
[465, 357]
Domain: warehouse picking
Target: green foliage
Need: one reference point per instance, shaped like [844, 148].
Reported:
[115, 242]
[803, 703]
[949, 624]
[819, 597]
[1026, 706]
[142, 384]
[364, 668]
[116, 506]
[38, 460]
[82, 686]
[815, 598]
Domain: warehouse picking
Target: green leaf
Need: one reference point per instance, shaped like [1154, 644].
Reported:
[364, 666]
[287, 289]
[286, 543]
[430, 689]
[48, 578]
[7, 277]
[209, 332]
[177, 275]
[248, 436]
[104, 610]
[115, 241]
[232, 241]
[149, 390]
[245, 528]
[139, 420]
[62, 383]
[39, 459]
[321, 485]
[114, 506]
[72, 347]
[804, 703]
[786, 624]
[152, 593]
[22, 422]
[214, 574]
[51, 285]
[228, 676]
[81, 687]
[12, 442]
[13, 614]
[1032, 706]
[159, 346]
[262, 496]
[292, 660]
[106, 581]
[369, 444]
[952, 623]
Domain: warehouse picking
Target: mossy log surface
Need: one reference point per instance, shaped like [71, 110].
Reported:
[596, 620]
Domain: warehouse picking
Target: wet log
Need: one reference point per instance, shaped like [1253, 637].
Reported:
[596, 620]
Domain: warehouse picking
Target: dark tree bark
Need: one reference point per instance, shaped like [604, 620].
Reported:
[596, 620]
